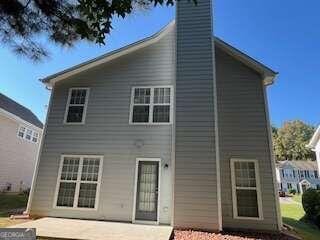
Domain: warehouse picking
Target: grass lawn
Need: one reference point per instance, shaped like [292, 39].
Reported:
[292, 215]
[9, 203]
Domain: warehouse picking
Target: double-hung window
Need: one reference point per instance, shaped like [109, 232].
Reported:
[246, 192]
[78, 182]
[151, 105]
[77, 105]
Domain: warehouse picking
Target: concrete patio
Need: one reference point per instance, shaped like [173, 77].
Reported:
[95, 230]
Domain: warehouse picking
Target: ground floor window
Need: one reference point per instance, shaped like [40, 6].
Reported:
[246, 191]
[289, 185]
[78, 181]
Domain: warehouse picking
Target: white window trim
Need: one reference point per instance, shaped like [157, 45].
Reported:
[151, 105]
[25, 134]
[84, 106]
[257, 188]
[135, 192]
[78, 181]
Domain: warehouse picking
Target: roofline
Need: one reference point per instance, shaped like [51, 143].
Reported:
[17, 119]
[50, 80]
[267, 73]
[314, 140]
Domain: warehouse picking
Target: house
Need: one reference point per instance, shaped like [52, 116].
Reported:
[20, 135]
[297, 175]
[314, 145]
[173, 129]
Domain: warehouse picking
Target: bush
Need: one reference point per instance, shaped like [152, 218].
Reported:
[293, 191]
[311, 205]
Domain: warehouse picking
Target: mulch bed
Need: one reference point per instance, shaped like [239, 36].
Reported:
[197, 235]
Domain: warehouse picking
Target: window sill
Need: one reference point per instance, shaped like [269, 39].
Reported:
[73, 123]
[249, 218]
[75, 208]
[150, 124]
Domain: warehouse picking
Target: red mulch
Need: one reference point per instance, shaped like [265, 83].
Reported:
[197, 235]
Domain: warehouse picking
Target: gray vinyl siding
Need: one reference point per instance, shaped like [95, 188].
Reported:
[195, 190]
[243, 133]
[107, 132]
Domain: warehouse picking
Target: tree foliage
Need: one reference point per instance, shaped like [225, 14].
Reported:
[24, 22]
[290, 140]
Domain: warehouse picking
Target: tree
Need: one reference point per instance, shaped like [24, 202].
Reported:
[23, 22]
[289, 141]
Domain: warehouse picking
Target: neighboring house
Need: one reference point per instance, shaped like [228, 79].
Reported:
[20, 134]
[173, 129]
[314, 145]
[297, 175]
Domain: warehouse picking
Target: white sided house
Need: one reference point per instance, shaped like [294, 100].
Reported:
[314, 145]
[297, 175]
[173, 129]
[20, 135]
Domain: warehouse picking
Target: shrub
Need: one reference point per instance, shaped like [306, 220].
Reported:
[293, 191]
[311, 205]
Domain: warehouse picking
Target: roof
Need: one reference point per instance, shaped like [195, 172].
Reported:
[267, 73]
[302, 165]
[315, 139]
[8, 105]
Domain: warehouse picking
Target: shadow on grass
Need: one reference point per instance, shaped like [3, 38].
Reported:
[304, 229]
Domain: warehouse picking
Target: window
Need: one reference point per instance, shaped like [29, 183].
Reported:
[21, 131]
[76, 105]
[246, 190]
[78, 182]
[151, 105]
[289, 185]
[294, 173]
[28, 134]
[315, 174]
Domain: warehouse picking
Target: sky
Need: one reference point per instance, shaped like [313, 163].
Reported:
[284, 35]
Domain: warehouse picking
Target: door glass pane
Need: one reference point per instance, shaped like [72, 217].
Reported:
[147, 188]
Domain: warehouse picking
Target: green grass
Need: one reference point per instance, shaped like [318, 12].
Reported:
[292, 215]
[297, 198]
[9, 202]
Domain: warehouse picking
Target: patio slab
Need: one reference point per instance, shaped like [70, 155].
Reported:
[96, 230]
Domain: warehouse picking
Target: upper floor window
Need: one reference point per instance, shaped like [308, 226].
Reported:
[151, 105]
[76, 105]
[315, 174]
[28, 134]
[246, 191]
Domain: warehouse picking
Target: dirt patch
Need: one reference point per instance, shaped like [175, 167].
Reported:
[197, 235]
